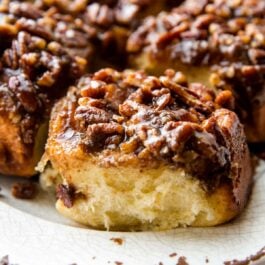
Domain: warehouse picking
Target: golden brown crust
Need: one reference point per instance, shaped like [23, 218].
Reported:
[225, 38]
[16, 158]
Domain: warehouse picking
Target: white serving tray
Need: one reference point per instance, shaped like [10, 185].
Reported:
[32, 233]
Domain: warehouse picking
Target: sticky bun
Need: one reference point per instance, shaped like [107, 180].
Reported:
[136, 152]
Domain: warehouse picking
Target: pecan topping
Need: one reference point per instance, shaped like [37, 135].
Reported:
[35, 69]
[153, 119]
[206, 36]
[227, 36]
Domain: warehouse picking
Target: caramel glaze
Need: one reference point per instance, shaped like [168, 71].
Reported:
[51, 25]
[227, 36]
[128, 117]
[96, 31]
[30, 77]
[108, 23]
[35, 70]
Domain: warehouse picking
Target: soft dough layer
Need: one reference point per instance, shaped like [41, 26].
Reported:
[155, 199]
[139, 152]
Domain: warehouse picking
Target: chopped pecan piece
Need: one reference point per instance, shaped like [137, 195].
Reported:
[24, 190]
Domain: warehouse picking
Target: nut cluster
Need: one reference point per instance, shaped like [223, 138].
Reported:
[153, 119]
[207, 38]
[227, 36]
[35, 69]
